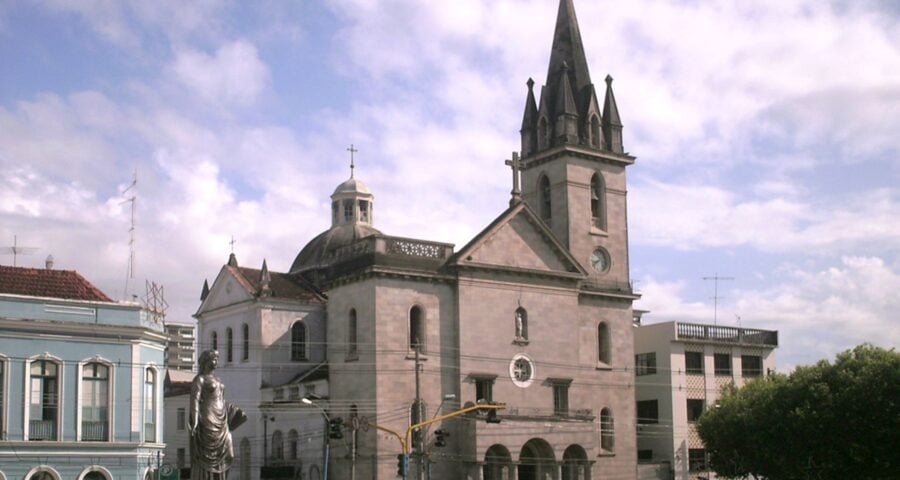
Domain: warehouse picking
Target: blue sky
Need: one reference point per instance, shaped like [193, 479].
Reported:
[766, 137]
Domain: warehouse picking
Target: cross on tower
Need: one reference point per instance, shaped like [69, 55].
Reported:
[516, 165]
[352, 150]
[232, 242]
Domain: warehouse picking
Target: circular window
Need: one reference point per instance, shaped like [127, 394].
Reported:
[521, 370]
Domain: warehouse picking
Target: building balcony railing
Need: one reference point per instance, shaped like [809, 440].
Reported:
[42, 430]
[94, 431]
[722, 334]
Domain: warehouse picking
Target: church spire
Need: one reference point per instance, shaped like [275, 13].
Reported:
[529, 122]
[612, 124]
[568, 50]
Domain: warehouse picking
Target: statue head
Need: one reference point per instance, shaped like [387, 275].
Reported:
[208, 360]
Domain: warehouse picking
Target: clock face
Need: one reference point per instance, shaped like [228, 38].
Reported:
[600, 260]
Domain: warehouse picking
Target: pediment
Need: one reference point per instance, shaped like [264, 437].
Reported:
[229, 288]
[518, 240]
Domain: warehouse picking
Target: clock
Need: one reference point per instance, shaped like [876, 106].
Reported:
[600, 260]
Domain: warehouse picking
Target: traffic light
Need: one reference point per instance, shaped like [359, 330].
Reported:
[492, 416]
[401, 465]
[335, 427]
[440, 438]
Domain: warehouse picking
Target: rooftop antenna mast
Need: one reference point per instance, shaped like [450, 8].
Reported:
[129, 275]
[155, 301]
[15, 250]
[715, 278]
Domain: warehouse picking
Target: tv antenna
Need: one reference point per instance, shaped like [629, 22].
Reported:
[129, 275]
[155, 301]
[715, 278]
[15, 250]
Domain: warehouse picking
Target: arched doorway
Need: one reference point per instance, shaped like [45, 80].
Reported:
[536, 461]
[575, 464]
[497, 463]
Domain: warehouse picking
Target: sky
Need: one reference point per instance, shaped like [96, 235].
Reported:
[766, 137]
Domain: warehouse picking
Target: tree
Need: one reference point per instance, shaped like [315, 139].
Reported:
[822, 421]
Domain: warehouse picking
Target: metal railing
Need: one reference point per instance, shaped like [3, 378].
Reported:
[715, 333]
[42, 430]
[94, 431]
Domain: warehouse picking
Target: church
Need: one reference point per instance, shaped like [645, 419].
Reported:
[534, 313]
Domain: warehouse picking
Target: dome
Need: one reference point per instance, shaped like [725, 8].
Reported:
[317, 253]
[352, 186]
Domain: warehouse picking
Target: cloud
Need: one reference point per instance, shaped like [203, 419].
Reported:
[233, 75]
[131, 24]
[816, 312]
[714, 216]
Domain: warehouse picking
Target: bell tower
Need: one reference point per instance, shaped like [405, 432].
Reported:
[573, 161]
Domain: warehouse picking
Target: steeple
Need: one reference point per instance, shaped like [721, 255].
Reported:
[568, 111]
[612, 124]
[569, 50]
[265, 279]
[529, 122]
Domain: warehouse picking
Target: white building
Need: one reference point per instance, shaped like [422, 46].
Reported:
[680, 369]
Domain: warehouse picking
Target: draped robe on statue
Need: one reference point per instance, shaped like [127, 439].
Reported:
[212, 452]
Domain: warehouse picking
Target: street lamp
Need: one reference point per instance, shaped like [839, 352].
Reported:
[266, 418]
[308, 400]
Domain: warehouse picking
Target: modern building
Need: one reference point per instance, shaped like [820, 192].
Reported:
[534, 312]
[180, 350]
[680, 370]
[80, 380]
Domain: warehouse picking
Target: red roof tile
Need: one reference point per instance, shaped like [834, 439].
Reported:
[40, 282]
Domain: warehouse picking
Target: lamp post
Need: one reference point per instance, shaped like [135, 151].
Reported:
[266, 418]
[308, 400]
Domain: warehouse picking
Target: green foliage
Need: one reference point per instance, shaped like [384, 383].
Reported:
[825, 421]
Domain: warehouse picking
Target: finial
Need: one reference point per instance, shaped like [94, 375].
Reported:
[232, 260]
[530, 83]
[609, 79]
[352, 150]
[232, 242]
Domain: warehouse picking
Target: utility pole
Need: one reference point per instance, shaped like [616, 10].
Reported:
[715, 278]
[419, 418]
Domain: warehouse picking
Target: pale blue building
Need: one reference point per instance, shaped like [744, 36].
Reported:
[81, 380]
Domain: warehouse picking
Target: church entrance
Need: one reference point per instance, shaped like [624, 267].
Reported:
[575, 464]
[497, 463]
[536, 461]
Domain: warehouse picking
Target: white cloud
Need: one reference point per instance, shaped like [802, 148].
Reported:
[816, 312]
[234, 74]
[713, 216]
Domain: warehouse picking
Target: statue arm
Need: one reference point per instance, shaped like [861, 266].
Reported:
[194, 407]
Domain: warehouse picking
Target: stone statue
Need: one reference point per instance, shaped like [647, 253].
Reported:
[210, 423]
[521, 334]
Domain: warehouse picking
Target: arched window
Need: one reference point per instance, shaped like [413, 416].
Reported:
[95, 476]
[416, 329]
[229, 345]
[43, 410]
[245, 330]
[245, 459]
[95, 402]
[595, 131]
[277, 446]
[293, 444]
[598, 202]
[215, 341]
[298, 341]
[521, 324]
[42, 472]
[150, 386]
[544, 197]
[604, 353]
[607, 431]
[352, 334]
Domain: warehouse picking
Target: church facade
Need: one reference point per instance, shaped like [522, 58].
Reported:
[535, 312]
